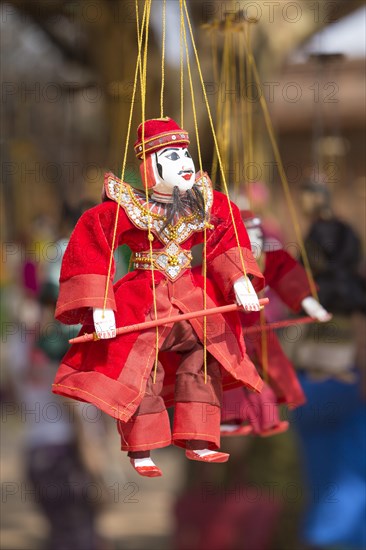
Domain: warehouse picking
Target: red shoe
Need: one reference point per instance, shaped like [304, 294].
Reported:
[240, 430]
[279, 429]
[146, 471]
[215, 456]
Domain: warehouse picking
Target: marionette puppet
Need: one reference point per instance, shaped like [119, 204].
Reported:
[244, 412]
[121, 375]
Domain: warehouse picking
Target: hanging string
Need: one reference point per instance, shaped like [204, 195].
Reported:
[163, 62]
[143, 72]
[264, 346]
[281, 171]
[249, 105]
[204, 259]
[138, 61]
[142, 58]
[243, 113]
[215, 57]
[248, 172]
[255, 329]
[227, 112]
[219, 107]
[225, 152]
[235, 127]
[217, 79]
[216, 143]
[181, 51]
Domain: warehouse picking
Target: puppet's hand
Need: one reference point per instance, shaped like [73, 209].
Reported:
[315, 310]
[246, 295]
[104, 323]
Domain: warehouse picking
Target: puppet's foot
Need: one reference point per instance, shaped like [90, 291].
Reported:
[279, 429]
[146, 467]
[206, 455]
[232, 430]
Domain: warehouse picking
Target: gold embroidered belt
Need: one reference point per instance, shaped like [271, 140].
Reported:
[171, 260]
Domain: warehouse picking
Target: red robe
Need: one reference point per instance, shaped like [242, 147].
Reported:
[112, 374]
[288, 279]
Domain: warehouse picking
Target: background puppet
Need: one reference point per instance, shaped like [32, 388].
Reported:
[287, 278]
[120, 375]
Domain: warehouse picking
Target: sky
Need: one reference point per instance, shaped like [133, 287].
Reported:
[347, 36]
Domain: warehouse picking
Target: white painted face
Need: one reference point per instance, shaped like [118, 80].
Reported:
[173, 167]
[256, 238]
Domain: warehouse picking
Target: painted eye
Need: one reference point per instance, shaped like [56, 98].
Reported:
[173, 156]
[186, 154]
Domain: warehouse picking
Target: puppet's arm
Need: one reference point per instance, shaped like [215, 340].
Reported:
[289, 280]
[225, 258]
[104, 323]
[85, 265]
[314, 309]
[246, 295]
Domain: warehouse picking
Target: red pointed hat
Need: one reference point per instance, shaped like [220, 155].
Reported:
[159, 133]
[250, 219]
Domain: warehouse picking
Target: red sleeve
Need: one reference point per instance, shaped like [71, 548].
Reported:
[223, 253]
[85, 264]
[287, 278]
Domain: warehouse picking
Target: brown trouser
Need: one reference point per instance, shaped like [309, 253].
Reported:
[197, 404]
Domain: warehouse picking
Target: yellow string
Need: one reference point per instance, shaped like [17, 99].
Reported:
[236, 117]
[215, 62]
[248, 172]
[193, 99]
[249, 106]
[243, 112]
[281, 171]
[181, 26]
[225, 152]
[139, 43]
[219, 127]
[264, 345]
[204, 263]
[143, 72]
[163, 62]
[221, 118]
[217, 79]
[215, 141]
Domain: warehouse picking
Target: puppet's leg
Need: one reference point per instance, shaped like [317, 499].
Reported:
[259, 412]
[233, 403]
[233, 413]
[197, 402]
[149, 428]
[197, 421]
[280, 373]
[263, 414]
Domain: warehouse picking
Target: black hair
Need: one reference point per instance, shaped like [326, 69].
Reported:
[159, 166]
[191, 202]
[335, 253]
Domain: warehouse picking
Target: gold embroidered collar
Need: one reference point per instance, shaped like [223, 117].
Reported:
[134, 203]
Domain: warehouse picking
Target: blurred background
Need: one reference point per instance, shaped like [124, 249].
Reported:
[67, 72]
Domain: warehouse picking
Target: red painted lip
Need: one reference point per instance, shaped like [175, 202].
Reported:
[187, 177]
